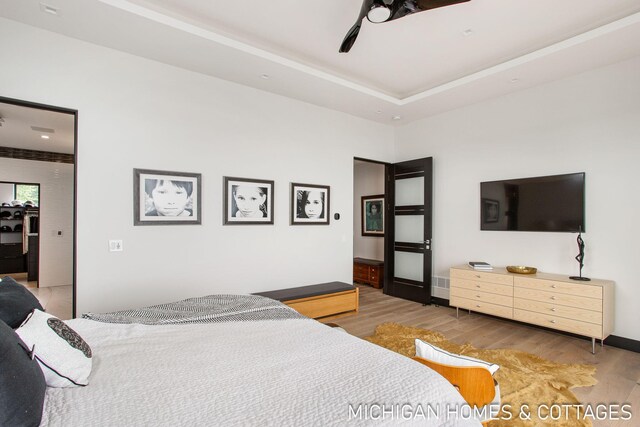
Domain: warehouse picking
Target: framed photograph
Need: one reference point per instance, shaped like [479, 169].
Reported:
[309, 204]
[166, 198]
[247, 201]
[373, 215]
[490, 210]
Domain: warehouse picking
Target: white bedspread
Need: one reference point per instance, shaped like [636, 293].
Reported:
[266, 373]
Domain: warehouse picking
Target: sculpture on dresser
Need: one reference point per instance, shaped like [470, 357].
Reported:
[580, 257]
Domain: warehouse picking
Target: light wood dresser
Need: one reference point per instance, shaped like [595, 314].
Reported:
[549, 300]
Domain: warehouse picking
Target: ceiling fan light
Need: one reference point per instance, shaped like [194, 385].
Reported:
[378, 13]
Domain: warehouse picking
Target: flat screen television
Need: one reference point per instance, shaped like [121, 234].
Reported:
[544, 203]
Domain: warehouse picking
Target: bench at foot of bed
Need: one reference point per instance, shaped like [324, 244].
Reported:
[318, 301]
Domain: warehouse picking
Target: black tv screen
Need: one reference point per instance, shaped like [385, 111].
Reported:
[545, 203]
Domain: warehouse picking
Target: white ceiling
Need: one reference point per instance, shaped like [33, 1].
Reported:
[412, 67]
[16, 129]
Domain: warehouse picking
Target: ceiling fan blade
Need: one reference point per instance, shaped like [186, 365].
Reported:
[403, 8]
[352, 34]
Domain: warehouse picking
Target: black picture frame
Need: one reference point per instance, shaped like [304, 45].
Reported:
[490, 211]
[372, 222]
[172, 202]
[318, 200]
[248, 201]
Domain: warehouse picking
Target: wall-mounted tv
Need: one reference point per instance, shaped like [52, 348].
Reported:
[545, 203]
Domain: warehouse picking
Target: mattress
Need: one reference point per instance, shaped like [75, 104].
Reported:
[295, 372]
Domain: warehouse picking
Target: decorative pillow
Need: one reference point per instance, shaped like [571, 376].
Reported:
[431, 352]
[22, 383]
[16, 302]
[65, 358]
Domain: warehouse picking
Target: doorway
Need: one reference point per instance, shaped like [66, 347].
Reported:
[38, 145]
[368, 223]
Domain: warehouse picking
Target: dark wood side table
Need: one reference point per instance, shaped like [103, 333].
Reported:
[368, 271]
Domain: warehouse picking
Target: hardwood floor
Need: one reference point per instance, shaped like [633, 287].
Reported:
[56, 300]
[618, 371]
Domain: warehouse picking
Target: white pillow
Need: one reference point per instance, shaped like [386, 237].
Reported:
[436, 354]
[65, 358]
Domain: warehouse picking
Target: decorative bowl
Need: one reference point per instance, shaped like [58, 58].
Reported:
[521, 269]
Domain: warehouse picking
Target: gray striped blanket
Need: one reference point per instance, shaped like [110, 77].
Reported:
[207, 309]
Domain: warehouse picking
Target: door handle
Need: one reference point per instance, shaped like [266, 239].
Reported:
[427, 244]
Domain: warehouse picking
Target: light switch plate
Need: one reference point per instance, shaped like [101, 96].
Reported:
[115, 245]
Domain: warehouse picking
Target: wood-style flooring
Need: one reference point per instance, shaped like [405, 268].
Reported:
[618, 371]
[56, 300]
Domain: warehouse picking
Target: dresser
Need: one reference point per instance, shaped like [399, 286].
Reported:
[550, 300]
[368, 271]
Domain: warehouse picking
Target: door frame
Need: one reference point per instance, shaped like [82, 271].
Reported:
[74, 113]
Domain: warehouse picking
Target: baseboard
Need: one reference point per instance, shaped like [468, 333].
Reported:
[624, 343]
[440, 301]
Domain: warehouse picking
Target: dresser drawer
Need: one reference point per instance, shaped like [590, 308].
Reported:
[481, 306]
[559, 310]
[476, 285]
[558, 298]
[360, 269]
[555, 322]
[559, 287]
[481, 276]
[482, 296]
[326, 305]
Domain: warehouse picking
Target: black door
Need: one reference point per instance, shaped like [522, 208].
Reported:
[407, 252]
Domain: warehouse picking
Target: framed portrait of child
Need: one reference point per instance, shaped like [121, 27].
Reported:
[373, 215]
[248, 201]
[166, 198]
[310, 204]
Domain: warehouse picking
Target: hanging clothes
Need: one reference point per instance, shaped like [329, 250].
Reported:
[30, 223]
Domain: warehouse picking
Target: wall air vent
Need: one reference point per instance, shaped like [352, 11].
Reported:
[46, 8]
[42, 130]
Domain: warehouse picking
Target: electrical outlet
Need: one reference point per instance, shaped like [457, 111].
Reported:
[115, 245]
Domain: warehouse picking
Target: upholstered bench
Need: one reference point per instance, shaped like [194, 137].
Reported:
[317, 301]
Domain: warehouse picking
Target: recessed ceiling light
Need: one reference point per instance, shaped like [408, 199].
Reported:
[467, 32]
[379, 112]
[265, 76]
[48, 9]
[44, 136]
[396, 117]
[514, 80]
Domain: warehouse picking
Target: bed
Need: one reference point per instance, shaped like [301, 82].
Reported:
[252, 362]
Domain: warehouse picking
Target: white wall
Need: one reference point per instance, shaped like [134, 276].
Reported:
[368, 180]
[56, 214]
[136, 113]
[589, 122]
[6, 192]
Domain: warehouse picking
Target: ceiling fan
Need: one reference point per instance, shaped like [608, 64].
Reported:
[378, 11]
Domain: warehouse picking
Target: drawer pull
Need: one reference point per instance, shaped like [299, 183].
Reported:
[552, 321]
[477, 286]
[477, 296]
[552, 309]
[478, 305]
[553, 298]
[553, 286]
[478, 276]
